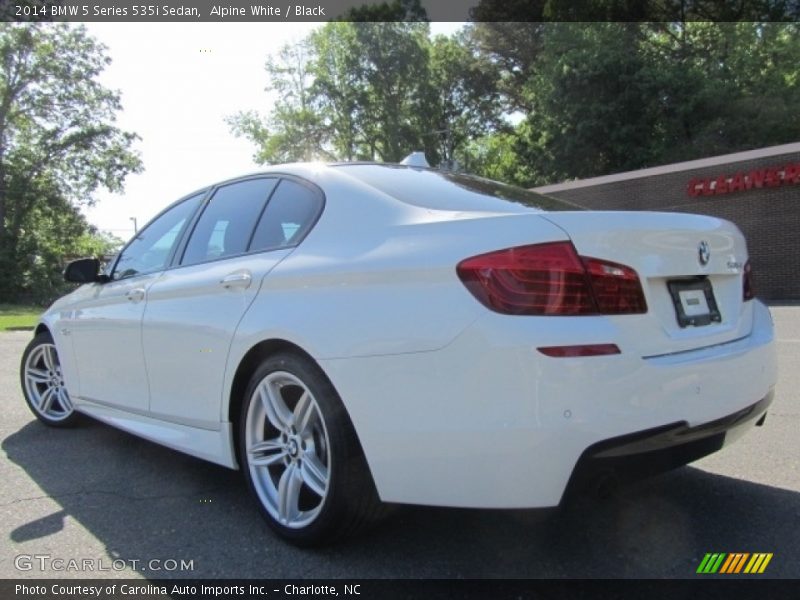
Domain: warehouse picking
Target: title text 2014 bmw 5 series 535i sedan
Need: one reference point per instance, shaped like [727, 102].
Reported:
[352, 334]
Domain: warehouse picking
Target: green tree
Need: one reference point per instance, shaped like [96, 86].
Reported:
[466, 97]
[374, 91]
[652, 11]
[494, 156]
[340, 88]
[394, 72]
[52, 234]
[294, 130]
[596, 98]
[396, 10]
[58, 142]
[723, 86]
[593, 103]
[586, 98]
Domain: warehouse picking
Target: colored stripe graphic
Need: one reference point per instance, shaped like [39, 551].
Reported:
[741, 562]
[703, 563]
[732, 558]
[758, 563]
[711, 562]
[724, 563]
[734, 563]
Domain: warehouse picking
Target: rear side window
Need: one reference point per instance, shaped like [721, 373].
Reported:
[227, 223]
[291, 212]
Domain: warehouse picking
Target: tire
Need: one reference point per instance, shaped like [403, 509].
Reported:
[43, 384]
[300, 454]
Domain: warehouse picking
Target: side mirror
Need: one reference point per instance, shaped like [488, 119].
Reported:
[83, 270]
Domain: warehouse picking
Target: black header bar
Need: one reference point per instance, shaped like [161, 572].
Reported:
[276, 11]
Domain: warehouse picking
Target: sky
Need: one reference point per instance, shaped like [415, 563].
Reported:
[178, 82]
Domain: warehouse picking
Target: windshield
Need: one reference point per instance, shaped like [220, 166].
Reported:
[441, 190]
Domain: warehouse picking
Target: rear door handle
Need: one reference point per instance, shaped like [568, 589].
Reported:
[239, 279]
[135, 295]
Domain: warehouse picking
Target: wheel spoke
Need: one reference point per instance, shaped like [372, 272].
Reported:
[49, 358]
[268, 452]
[277, 411]
[37, 375]
[303, 412]
[64, 401]
[314, 474]
[46, 401]
[289, 494]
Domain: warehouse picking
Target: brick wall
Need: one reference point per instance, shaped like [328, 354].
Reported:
[769, 217]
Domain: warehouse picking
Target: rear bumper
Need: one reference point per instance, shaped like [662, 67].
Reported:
[489, 422]
[653, 451]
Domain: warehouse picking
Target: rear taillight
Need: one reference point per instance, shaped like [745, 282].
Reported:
[616, 288]
[551, 279]
[747, 282]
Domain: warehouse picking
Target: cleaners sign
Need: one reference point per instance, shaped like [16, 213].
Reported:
[745, 180]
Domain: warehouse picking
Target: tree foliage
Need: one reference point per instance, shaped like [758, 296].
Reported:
[608, 97]
[395, 10]
[373, 91]
[294, 129]
[631, 11]
[531, 101]
[58, 144]
[52, 234]
[588, 116]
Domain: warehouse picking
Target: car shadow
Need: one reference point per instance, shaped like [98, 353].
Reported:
[143, 501]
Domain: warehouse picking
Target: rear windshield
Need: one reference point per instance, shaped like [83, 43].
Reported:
[440, 190]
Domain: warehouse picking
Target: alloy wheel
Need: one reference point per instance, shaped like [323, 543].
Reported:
[288, 450]
[44, 383]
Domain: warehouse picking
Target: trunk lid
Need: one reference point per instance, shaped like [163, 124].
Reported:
[665, 250]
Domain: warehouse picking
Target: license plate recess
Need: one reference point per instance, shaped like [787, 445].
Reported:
[694, 302]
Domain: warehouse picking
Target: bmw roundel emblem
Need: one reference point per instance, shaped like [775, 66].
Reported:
[703, 253]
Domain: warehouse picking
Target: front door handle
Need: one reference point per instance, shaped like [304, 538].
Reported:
[135, 295]
[239, 279]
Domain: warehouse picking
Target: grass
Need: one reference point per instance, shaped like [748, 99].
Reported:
[18, 316]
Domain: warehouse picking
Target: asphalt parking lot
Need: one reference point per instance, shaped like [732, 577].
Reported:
[100, 494]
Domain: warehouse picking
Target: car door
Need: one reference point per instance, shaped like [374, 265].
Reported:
[246, 228]
[106, 326]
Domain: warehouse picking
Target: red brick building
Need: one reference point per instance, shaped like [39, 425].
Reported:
[759, 190]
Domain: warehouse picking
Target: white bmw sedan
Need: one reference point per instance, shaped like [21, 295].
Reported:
[353, 334]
